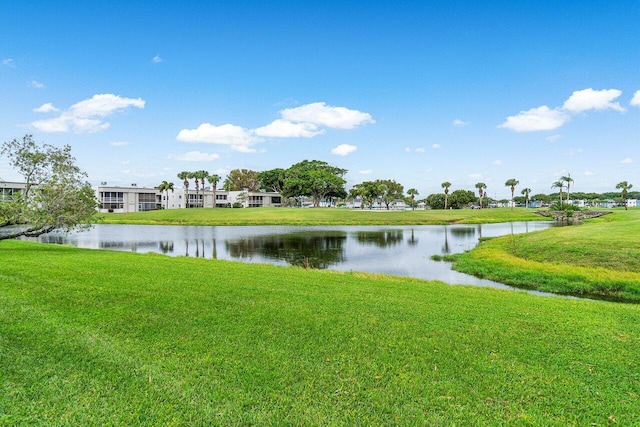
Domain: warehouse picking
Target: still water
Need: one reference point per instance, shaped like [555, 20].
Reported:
[398, 250]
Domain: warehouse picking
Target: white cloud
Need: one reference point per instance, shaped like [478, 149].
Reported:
[103, 105]
[497, 162]
[118, 143]
[553, 138]
[156, 59]
[344, 150]
[81, 117]
[588, 173]
[36, 84]
[195, 156]
[589, 99]
[459, 123]
[238, 138]
[244, 149]
[300, 122]
[541, 118]
[636, 99]
[420, 150]
[321, 114]
[8, 62]
[573, 152]
[436, 146]
[285, 129]
[46, 108]
[627, 161]
[408, 149]
[365, 172]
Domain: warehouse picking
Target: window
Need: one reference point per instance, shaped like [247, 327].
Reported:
[110, 200]
[276, 200]
[146, 202]
[221, 197]
[255, 201]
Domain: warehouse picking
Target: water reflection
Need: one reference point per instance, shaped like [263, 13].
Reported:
[397, 250]
[309, 250]
[381, 239]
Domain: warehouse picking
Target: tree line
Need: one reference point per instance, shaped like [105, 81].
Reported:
[321, 182]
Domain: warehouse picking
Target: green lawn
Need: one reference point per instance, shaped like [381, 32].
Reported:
[92, 337]
[598, 258]
[320, 216]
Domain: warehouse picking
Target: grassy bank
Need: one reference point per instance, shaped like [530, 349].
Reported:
[319, 216]
[91, 337]
[598, 258]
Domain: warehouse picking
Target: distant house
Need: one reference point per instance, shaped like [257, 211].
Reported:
[633, 203]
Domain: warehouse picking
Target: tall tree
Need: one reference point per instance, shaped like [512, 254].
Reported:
[512, 183]
[446, 186]
[316, 179]
[412, 192]
[165, 187]
[525, 192]
[568, 180]
[56, 194]
[625, 187]
[389, 190]
[202, 176]
[481, 186]
[242, 179]
[559, 185]
[184, 176]
[213, 180]
[273, 180]
[196, 178]
[460, 199]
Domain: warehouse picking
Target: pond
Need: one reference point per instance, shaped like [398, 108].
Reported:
[397, 250]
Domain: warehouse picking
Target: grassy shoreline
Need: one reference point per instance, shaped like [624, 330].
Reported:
[91, 337]
[600, 258]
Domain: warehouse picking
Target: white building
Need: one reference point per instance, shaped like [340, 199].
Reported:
[140, 199]
[127, 199]
[8, 189]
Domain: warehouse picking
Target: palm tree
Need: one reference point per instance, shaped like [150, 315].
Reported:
[558, 184]
[184, 176]
[568, 180]
[200, 176]
[625, 187]
[196, 179]
[512, 184]
[213, 180]
[481, 186]
[525, 192]
[446, 186]
[166, 186]
[413, 193]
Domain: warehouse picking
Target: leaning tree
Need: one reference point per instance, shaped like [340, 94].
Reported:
[55, 197]
[625, 187]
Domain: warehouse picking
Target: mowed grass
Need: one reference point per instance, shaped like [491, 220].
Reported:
[599, 258]
[91, 337]
[319, 216]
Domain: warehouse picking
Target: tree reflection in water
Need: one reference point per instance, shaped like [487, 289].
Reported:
[308, 250]
[381, 239]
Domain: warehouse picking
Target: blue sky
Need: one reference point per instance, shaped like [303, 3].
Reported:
[417, 91]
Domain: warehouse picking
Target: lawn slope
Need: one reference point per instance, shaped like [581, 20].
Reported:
[600, 258]
[91, 337]
[319, 216]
